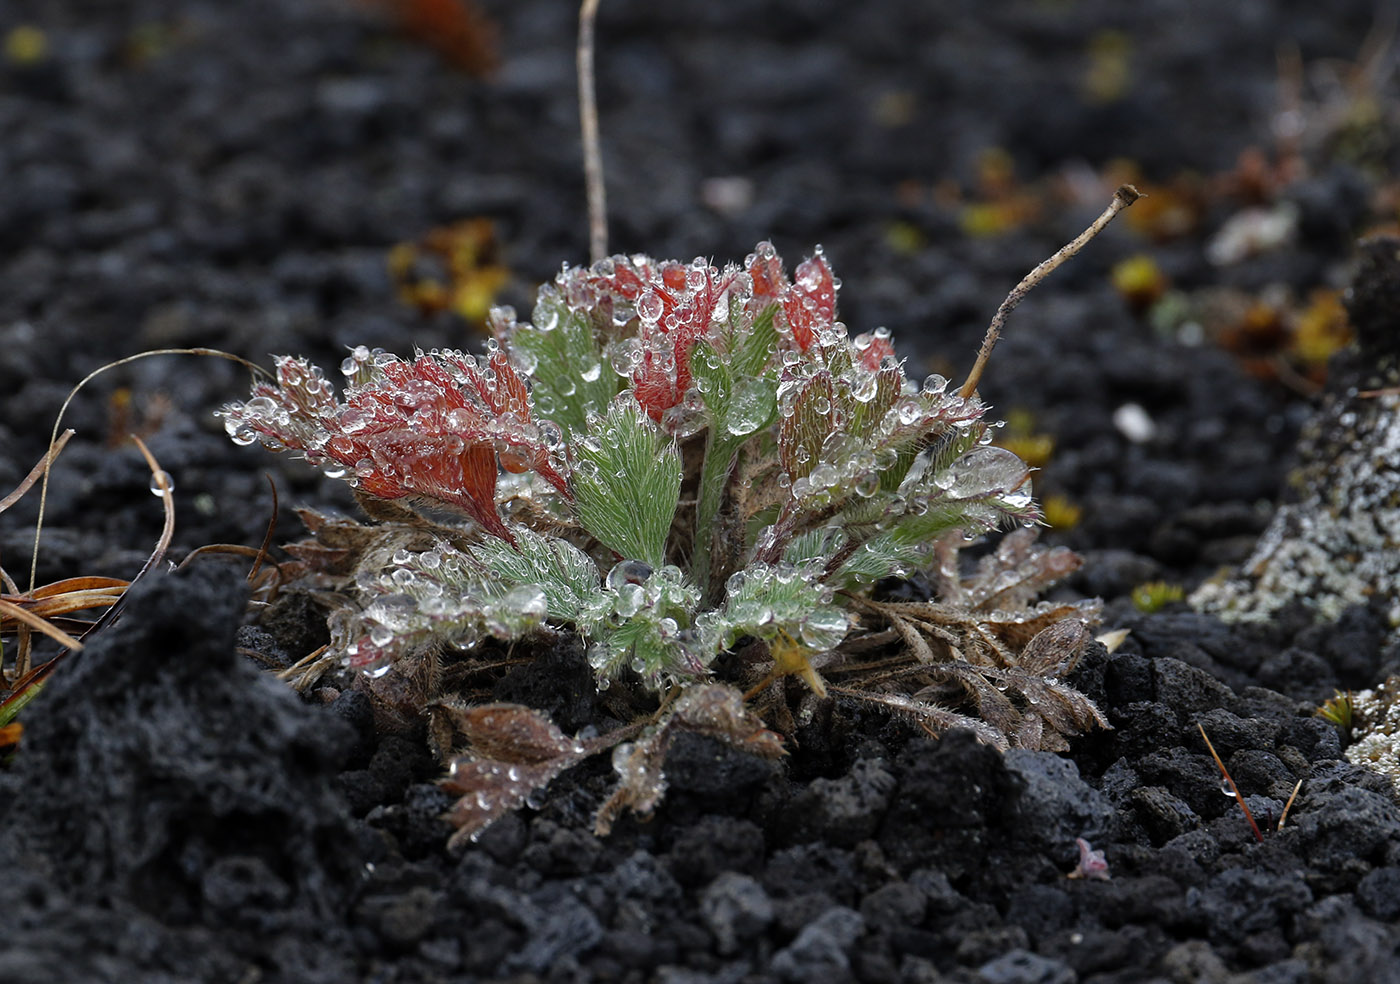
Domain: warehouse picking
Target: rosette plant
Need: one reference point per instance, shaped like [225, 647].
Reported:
[675, 460]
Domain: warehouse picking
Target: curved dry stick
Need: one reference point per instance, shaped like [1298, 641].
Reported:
[39, 469]
[167, 499]
[1122, 198]
[54, 441]
[588, 124]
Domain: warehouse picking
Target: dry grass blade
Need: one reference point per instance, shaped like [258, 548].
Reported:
[55, 606]
[31, 610]
[37, 471]
[25, 689]
[1239, 798]
[167, 500]
[1283, 817]
[44, 610]
[310, 668]
[11, 612]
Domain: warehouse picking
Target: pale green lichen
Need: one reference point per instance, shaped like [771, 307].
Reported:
[1336, 542]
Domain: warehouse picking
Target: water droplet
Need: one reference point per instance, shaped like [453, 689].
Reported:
[161, 482]
[824, 476]
[982, 471]
[750, 405]
[626, 572]
[527, 600]
[630, 600]
[650, 307]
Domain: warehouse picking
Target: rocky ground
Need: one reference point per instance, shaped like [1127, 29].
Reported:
[176, 173]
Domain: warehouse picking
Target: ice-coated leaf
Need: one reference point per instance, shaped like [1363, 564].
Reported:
[568, 577]
[753, 349]
[984, 472]
[881, 556]
[439, 597]
[566, 363]
[765, 600]
[873, 395]
[639, 624]
[420, 599]
[626, 482]
[739, 406]
[1016, 572]
[433, 428]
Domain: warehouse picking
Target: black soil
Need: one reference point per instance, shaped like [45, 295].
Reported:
[181, 173]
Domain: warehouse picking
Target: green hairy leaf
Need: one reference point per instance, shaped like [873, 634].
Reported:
[626, 482]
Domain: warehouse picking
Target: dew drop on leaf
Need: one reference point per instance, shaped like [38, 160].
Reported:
[749, 407]
[982, 471]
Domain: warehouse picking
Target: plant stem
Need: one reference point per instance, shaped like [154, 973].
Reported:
[714, 476]
[1122, 198]
[588, 123]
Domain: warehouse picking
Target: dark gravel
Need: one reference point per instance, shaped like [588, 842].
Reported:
[183, 173]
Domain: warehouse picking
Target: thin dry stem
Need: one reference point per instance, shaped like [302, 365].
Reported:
[310, 668]
[1122, 198]
[167, 500]
[19, 614]
[38, 470]
[588, 123]
[1239, 798]
[1283, 817]
[54, 440]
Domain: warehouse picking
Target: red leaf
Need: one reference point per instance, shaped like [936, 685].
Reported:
[810, 302]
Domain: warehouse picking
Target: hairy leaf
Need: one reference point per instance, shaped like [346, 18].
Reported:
[564, 359]
[626, 483]
[805, 428]
[568, 576]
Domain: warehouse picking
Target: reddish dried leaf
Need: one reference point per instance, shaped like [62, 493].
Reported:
[511, 733]
[515, 752]
[1055, 649]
